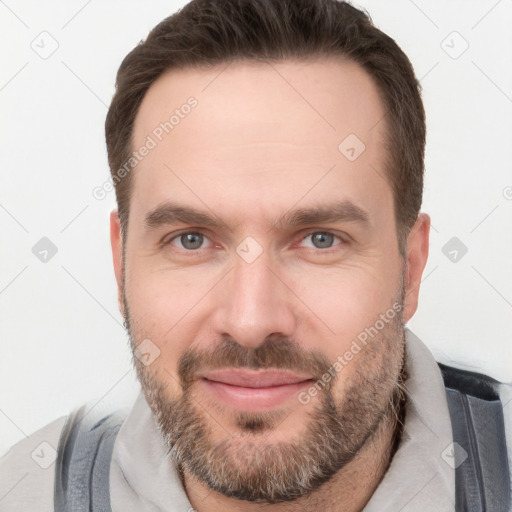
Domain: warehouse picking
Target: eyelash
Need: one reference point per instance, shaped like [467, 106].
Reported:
[342, 240]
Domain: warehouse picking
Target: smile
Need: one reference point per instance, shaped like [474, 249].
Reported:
[253, 390]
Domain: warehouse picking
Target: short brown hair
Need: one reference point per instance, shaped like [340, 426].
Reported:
[209, 32]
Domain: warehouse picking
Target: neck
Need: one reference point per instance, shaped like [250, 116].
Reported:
[349, 490]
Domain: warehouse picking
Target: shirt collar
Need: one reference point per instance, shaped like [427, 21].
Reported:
[419, 477]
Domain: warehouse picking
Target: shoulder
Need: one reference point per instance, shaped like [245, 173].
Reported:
[477, 401]
[471, 383]
[27, 470]
[480, 410]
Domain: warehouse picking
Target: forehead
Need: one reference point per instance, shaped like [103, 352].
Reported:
[276, 127]
[328, 96]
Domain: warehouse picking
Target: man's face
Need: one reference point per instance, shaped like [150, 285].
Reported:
[279, 252]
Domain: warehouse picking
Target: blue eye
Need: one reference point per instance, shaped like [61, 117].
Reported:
[321, 239]
[189, 241]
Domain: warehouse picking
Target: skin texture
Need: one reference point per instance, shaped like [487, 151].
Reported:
[261, 143]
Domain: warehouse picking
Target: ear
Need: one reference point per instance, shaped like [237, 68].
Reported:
[417, 254]
[116, 241]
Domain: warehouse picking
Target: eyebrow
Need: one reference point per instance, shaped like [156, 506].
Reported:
[340, 211]
[169, 213]
[172, 213]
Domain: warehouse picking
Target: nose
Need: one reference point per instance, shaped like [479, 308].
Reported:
[254, 302]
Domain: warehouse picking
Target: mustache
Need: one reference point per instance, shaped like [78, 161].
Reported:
[276, 352]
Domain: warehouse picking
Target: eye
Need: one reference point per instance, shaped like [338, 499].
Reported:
[321, 240]
[189, 241]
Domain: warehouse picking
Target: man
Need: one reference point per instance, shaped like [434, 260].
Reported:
[268, 248]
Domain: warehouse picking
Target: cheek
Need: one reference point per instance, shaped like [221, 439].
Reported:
[163, 309]
[347, 301]
[161, 297]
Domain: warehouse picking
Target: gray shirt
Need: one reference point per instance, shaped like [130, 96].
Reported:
[418, 479]
[421, 476]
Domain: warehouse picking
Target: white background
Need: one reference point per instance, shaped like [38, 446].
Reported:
[61, 335]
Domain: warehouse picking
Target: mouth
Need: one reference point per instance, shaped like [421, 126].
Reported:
[253, 390]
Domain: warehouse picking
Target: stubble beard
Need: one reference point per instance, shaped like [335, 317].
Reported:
[241, 464]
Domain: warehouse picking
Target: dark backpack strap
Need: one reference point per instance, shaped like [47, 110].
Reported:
[82, 467]
[482, 480]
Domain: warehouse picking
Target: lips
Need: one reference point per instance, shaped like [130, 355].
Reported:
[253, 390]
[254, 378]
